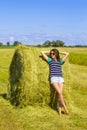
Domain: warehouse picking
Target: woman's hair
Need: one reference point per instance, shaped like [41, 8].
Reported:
[56, 52]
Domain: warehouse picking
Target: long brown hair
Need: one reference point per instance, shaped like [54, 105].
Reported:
[56, 52]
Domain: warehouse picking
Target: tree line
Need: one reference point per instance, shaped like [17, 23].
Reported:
[57, 43]
[47, 43]
[15, 43]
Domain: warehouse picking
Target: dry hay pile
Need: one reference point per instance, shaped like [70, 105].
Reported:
[28, 78]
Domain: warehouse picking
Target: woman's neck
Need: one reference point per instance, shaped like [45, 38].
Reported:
[55, 59]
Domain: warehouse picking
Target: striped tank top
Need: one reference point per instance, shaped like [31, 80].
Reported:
[55, 68]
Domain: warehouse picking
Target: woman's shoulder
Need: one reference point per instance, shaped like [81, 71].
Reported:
[61, 61]
[49, 60]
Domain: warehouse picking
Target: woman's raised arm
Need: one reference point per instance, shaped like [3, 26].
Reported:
[66, 54]
[44, 54]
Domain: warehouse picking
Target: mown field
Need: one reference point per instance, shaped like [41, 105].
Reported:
[44, 117]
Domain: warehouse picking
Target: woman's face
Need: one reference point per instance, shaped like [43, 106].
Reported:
[52, 55]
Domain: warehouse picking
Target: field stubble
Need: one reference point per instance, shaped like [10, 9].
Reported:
[45, 118]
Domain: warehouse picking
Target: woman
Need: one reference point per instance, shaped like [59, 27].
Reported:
[56, 76]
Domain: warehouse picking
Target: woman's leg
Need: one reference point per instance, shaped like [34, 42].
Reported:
[61, 87]
[59, 101]
[58, 88]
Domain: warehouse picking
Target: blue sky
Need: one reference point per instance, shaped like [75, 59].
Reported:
[35, 21]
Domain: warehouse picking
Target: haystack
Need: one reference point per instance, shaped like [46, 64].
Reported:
[28, 78]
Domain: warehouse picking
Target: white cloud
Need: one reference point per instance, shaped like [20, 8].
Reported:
[39, 38]
[11, 38]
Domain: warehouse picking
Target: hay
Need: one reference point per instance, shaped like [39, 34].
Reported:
[28, 78]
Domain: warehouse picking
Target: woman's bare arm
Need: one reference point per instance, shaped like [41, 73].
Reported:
[66, 54]
[44, 54]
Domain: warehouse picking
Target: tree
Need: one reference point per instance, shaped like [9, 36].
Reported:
[16, 43]
[1, 44]
[38, 45]
[58, 43]
[8, 43]
[47, 43]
